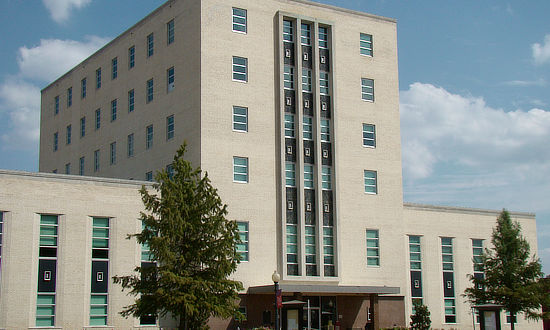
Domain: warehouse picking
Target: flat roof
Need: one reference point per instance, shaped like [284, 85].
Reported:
[326, 289]
[465, 210]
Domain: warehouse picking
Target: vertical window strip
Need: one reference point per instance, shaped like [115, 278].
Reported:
[150, 45]
[55, 141]
[477, 252]
[149, 137]
[47, 266]
[290, 174]
[240, 169]
[308, 176]
[325, 130]
[240, 69]
[415, 253]
[98, 78]
[323, 37]
[83, 88]
[170, 79]
[170, 127]
[308, 128]
[114, 109]
[69, 134]
[289, 125]
[326, 176]
[311, 250]
[369, 135]
[447, 259]
[131, 57]
[370, 180]
[96, 160]
[82, 127]
[292, 248]
[69, 97]
[113, 153]
[81, 166]
[170, 32]
[288, 33]
[240, 119]
[242, 246]
[56, 107]
[373, 248]
[131, 100]
[150, 90]
[367, 89]
[328, 250]
[305, 35]
[365, 44]
[114, 68]
[100, 276]
[130, 149]
[306, 80]
[147, 262]
[415, 262]
[323, 83]
[97, 119]
[288, 77]
[239, 20]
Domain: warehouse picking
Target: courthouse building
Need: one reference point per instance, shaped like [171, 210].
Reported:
[292, 107]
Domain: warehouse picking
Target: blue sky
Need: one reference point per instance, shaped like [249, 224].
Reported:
[474, 91]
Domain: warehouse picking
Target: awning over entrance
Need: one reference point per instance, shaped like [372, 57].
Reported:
[325, 289]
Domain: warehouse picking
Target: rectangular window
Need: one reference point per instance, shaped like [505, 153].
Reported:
[373, 248]
[113, 153]
[323, 37]
[69, 97]
[415, 253]
[240, 169]
[305, 35]
[288, 77]
[69, 134]
[308, 176]
[288, 31]
[98, 119]
[370, 182]
[170, 32]
[114, 68]
[96, 160]
[242, 246]
[240, 69]
[310, 250]
[131, 57]
[170, 171]
[365, 44]
[369, 135]
[450, 310]
[170, 78]
[81, 166]
[55, 141]
[68, 168]
[326, 178]
[477, 252]
[509, 318]
[150, 90]
[367, 89]
[328, 249]
[149, 176]
[82, 127]
[130, 150]
[47, 265]
[323, 83]
[239, 20]
[306, 80]
[169, 127]
[150, 45]
[98, 78]
[149, 137]
[289, 125]
[308, 128]
[325, 130]
[447, 253]
[292, 249]
[83, 88]
[56, 101]
[290, 175]
[100, 275]
[240, 119]
[131, 100]
[113, 109]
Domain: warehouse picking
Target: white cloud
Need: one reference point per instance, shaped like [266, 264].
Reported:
[541, 52]
[54, 57]
[524, 83]
[61, 9]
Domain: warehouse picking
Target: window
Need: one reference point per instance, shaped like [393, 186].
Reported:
[149, 176]
[47, 260]
[131, 100]
[288, 77]
[240, 169]
[369, 137]
[308, 128]
[55, 141]
[96, 160]
[114, 68]
[292, 249]
[326, 177]
[82, 127]
[306, 80]
[69, 97]
[365, 44]
[98, 119]
[170, 32]
[323, 83]
[325, 130]
[130, 148]
[373, 248]
[239, 20]
[69, 134]
[170, 79]
[310, 250]
[328, 249]
[290, 175]
[150, 91]
[308, 176]
[242, 246]
[240, 119]
[509, 318]
[113, 109]
[83, 88]
[170, 127]
[150, 45]
[415, 253]
[287, 31]
[81, 166]
[305, 36]
[131, 57]
[240, 69]
[56, 108]
[112, 159]
[367, 89]
[170, 171]
[477, 252]
[447, 253]
[149, 137]
[98, 78]
[289, 125]
[370, 182]
[68, 168]
[323, 37]
[450, 310]
[100, 259]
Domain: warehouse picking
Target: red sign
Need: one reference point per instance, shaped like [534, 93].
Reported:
[279, 298]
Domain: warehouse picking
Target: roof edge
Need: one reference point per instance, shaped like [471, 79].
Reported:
[345, 10]
[466, 210]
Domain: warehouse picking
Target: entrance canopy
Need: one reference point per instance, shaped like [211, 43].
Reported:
[325, 289]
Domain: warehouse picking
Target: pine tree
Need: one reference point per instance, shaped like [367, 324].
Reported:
[194, 247]
[512, 277]
[420, 320]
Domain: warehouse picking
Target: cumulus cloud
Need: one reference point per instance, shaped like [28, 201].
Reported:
[61, 9]
[541, 52]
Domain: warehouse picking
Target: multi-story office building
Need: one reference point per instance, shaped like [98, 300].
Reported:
[292, 108]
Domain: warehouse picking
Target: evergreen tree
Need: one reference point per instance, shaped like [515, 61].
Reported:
[193, 246]
[420, 320]
[512, 277]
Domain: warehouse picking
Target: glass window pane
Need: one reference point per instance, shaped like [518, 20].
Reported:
[101, 222]
[98, 300]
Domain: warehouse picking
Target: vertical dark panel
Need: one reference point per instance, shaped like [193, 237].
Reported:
[416, 284]
[290, 150]
[327, 216]
[326, 154]
[448, 284]
[290, 101]
[309, 206]
[306, 57]
[325, 106]
[46, 275]
[100, 276]
[309, 152]
[288, 53]
[307, 103]
[291, 198]
[324, 60]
